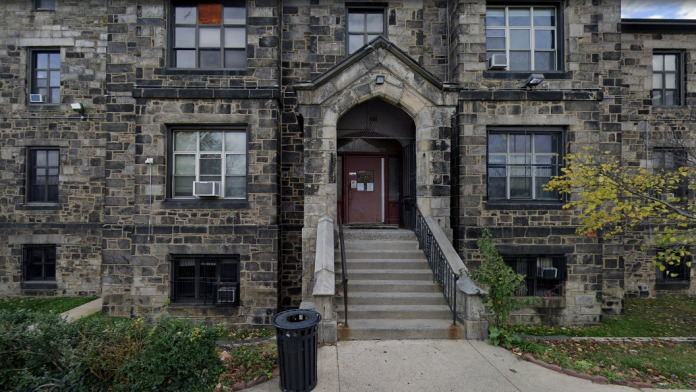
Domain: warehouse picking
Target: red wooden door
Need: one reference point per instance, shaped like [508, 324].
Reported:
[364, 191]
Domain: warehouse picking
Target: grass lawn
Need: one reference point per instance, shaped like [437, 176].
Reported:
[665, 364]
[44, 304]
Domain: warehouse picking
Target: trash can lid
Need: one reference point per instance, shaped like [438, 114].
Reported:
[296, 319]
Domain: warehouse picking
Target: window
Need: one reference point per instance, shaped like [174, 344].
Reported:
[40, 262]
[42, 180]
[521, 162]
[364, 25]
[210, 156]
[544, 275]
[666, 89]
[45, 4]
[45, 77]
[527, 36]
[674, 273]
[205, 279]
[670, 160]
[209, 35]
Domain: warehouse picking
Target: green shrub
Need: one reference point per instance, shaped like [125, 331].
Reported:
[33, 348]
[41, 352]
[501, 282]
[177, 355]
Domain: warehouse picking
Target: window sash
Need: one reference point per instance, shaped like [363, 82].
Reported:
[670, 160]
[544, 274]
[529, 47]
[45, 75]
[196, 278]
[366, 30]
[519, 172]
[226, 162]
[667, 86]
[43, 171]
[203, 37]
[40, 263]
[45, 4]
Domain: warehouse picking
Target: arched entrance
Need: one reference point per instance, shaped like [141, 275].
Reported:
[376, 164]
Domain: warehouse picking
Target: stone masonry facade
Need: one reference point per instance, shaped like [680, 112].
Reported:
[119, 232]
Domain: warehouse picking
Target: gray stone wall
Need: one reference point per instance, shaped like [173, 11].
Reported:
[145, 226]
[646, 126]
[573, 100]
[78, 30]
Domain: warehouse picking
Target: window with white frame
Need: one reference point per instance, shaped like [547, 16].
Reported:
[521, 162]
[528, 36]
[364, 25]
[45, 77]
[209, 156]
[208, 35]
[666, 81]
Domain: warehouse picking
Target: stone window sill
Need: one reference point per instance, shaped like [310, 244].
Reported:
[39, 285]
[548, 75]
[523, 205]
[40, 206]
[680, 285]
[203, 204]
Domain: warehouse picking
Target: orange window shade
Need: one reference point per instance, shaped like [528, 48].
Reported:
[209, 14]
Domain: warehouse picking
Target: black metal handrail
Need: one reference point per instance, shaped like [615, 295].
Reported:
[344, 273]
[442, 270]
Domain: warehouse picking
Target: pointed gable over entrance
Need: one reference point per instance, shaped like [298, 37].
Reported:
[378, 70]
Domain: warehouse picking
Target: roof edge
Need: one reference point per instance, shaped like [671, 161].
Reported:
[378, 43]
[637, 25]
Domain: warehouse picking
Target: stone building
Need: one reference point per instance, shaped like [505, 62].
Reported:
[184, 152]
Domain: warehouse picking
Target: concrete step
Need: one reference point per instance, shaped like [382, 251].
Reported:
[384, 254]
[381, 298]
[391, 286]
[379, 234]
[388, 274]
[352, 264]
[381, 245]
[396, 312]
[377, 329]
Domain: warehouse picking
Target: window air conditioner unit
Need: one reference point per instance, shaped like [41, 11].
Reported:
[36, 98]
[206, 188]
[227, 295]
[547, 272]
[497, 61]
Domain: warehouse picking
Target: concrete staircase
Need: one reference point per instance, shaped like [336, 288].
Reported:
[391, 293]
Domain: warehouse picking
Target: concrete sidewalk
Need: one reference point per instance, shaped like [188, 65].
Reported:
[82, 310]
[435, 365]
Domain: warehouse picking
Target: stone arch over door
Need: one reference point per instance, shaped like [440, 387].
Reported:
[375, 143]
[378, 71]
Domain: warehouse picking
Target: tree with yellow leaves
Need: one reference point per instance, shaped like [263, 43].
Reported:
[615, 198]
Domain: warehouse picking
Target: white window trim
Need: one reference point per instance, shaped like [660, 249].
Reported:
[224, 153]
[533, 29]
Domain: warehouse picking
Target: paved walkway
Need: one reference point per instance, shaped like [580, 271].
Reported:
[83, 310]
[435, 365]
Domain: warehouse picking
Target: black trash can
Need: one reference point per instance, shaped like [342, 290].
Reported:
[296, 332]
